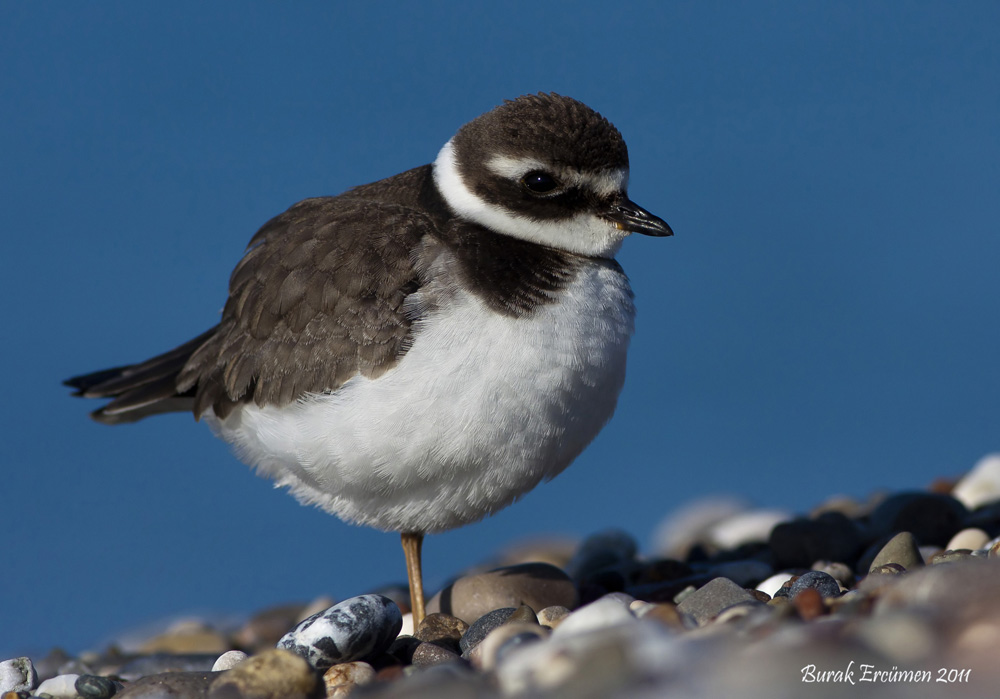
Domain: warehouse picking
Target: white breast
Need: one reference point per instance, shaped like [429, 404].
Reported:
[481, 408]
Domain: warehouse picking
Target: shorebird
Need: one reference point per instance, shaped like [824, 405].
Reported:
[417, 353]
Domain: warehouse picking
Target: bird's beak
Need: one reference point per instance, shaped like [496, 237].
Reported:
[626, 215]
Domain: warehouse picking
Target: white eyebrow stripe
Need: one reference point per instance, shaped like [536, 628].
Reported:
[604, 183]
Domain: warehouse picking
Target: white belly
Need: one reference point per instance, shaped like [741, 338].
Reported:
[475, 414]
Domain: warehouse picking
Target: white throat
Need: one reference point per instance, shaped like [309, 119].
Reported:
[585, 234]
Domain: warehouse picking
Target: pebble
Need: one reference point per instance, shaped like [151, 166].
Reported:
[607, 611]
[537, 585]
[505, 639]
[933, 518]
[96, 687]
[822, 583]
[972, 539]
[482, 627]
[901, 550]
[17, 674]
[552, 616]
[229, 660]
[355, 629]
[711, 599]
[169, 684]
[187, 637]
[429, 654]
[341, 679]
[841, 572]
[59, 687]
[272, 674]
[745, 573]
[981, 485]
[442, 629]
[830, 536]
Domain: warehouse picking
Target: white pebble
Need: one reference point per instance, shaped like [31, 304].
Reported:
[980, 485]
[59, 687]
[774, 583]
[407, 628]
[229, 660]
[684, 527]
[971, 538]
[17, 674]
[607, 611]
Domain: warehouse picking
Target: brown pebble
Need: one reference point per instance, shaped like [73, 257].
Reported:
[443, 629]
[390, 673]
[809, 604]
[551, 617]
[341, 679]
[665, 613]
[760, 595]
[272, 673]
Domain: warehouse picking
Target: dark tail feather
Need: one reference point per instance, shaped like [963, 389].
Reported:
[140, 390]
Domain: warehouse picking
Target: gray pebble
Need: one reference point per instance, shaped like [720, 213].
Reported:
[96, 687]
[902, 550]
[604, 549]
[481, 628]
[428, 654]
[712, 598]
[824, 584]
[356, 629]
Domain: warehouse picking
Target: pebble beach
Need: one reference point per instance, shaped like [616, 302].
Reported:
[894, 596]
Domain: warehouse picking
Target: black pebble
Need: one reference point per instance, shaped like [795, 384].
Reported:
[96, 687]
[482, 627]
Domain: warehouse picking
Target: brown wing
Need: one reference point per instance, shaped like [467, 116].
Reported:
[318, 298]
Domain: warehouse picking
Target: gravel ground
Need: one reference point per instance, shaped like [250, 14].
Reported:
[898, 596]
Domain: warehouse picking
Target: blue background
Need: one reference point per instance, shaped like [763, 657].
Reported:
[825, 320]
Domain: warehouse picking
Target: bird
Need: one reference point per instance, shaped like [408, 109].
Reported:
[417, 353]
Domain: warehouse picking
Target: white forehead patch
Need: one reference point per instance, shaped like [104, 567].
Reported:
[604, 183]
[585, 234]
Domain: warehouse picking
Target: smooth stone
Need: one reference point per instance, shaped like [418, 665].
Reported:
[902, 550]
[830, 536]
[523, 615]
[956, 556]
[537, 585]
[482, 627]
[17, 674]
[429, 654]
[933, 518]
[229, 660]
[972, 539]
[607, 611]
[59, 687]
[714, 597]
[981, 485]
[442, 629]
[664, 613]
[552, 616]
[184, 685]
[605, 549]
[753, 526]
[356, 629]
[486, 654]
[824, 584]
[272, 674]
[159, 663]
[96, 687]
[341, 679]
[774, 583]
[407, 628]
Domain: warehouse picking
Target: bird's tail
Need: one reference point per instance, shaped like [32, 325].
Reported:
[143, 389]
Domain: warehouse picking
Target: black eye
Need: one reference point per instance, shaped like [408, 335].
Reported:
[539, 182]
